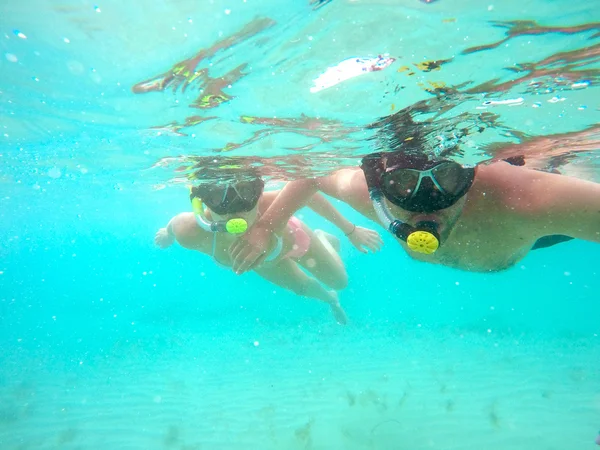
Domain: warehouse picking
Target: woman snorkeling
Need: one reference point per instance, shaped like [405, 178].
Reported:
[223, 212]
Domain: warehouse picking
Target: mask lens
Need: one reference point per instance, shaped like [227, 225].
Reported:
[450, 177]
[232, 198]
[401, 183]
[427, 190]
[213, 196]
[248, 191]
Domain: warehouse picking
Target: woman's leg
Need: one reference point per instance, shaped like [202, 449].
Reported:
[323, 261]
[288, 275]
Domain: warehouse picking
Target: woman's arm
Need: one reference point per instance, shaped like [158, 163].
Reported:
[325, 209]
[184, 229]
[363, 239]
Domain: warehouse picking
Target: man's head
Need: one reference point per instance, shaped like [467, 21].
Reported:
[420, 189]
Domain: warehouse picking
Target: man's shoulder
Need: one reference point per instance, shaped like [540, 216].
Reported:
[522, 189]
[508, 177]
[507, 186]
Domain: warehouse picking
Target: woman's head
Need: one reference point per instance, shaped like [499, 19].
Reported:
[233, 197]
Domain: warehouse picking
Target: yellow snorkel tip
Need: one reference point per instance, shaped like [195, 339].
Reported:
[197, 205]
[422, 242]
[236, 226]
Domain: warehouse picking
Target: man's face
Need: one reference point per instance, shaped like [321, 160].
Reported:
[445, 218]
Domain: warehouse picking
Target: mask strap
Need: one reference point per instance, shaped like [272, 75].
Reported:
[373, 167]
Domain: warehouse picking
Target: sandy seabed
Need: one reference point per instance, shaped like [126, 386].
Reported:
[273, 388]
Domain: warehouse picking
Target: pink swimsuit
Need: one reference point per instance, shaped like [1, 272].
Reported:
[299, 248]
[301, 239]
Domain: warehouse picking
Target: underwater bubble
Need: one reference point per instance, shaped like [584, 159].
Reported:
[75, 67]
[581, 84]
[54, 173]
[19, 34]
[95, 77]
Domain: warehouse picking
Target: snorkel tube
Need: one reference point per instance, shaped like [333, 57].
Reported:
[423, 238]
[231, 226]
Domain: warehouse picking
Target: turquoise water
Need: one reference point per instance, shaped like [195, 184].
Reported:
[108, 342]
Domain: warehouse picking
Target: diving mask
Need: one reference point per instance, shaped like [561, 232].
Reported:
[232, 226]
[230, 198]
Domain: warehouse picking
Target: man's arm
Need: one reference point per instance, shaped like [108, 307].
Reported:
[348, 185]
[248, 251]
[566, 205]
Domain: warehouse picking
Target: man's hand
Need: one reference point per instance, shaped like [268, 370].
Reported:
[250, 250]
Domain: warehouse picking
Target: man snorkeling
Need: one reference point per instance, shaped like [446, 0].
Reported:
[480, 219]
[223, 212]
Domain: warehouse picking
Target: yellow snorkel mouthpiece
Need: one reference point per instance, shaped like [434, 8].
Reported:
[236, 226]
[421, 238]
[231, 226]
[422, 242]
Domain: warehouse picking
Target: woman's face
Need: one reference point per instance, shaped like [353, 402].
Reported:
[248, 216]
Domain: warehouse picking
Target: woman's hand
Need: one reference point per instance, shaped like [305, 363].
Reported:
[365, 240]
[163, 238]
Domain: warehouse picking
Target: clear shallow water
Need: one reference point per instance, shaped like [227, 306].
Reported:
[108, 342]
